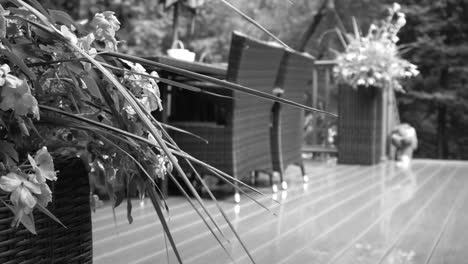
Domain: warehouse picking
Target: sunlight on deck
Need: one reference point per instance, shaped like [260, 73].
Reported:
[344, 214]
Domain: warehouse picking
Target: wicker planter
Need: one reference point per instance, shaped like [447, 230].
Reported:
[53, 243]
[359, 125]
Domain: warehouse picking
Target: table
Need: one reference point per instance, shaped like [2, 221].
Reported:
[214, 70]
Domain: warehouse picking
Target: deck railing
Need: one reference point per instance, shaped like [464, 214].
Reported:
[321, 95]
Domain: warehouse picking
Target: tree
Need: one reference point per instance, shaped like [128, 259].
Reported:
[435, 39]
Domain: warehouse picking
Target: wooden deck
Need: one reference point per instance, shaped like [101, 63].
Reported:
[344, 214]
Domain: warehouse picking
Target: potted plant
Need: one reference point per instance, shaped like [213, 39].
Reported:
[61, 96]
[368, 71]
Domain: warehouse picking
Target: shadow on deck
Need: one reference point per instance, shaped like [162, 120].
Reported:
[344, 214]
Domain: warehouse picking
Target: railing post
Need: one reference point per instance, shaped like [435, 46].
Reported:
[327, 88]
[314, 87]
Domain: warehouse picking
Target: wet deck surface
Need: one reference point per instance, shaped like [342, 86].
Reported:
[345, 214]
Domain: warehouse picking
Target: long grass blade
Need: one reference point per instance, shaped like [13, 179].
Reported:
[246, 17]
[226, 219]
[167, 126]
[156, 201]
[356, 31]
[221, 83]
[167, 81]
[341, 38]
[179, 186]
[244, 192]
[163, 80]
[214, 170]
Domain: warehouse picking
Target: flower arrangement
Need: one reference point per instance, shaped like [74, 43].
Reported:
[374, 60]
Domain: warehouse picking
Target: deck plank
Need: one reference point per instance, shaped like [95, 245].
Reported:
[453, 245]
[345, 214]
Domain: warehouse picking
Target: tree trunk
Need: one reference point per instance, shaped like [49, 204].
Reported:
[442, 140]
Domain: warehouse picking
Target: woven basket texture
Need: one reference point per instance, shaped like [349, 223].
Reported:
[243, 144]
[359, 125]
[53, 243]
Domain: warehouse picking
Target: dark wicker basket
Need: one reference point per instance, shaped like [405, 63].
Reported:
[53, 243]
[359, 125]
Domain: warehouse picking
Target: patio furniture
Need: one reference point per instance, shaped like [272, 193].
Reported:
[53, 243]
[295, 77]
[239, 140]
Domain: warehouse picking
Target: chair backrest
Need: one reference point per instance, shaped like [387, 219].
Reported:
[297, 79]
[254, 64]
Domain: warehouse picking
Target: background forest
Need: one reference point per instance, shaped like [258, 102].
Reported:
[434, 38]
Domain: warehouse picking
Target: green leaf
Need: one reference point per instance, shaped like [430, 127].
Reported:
[18, 62]
[20, 12]
[9, 149]
[49, 214]
[76, 67]
[156, 201]
[41, 15]
[92, 86]
[62, 17]
[41, 9]
[357, 35]
[129, 209]
[26, 220]
[2, 23]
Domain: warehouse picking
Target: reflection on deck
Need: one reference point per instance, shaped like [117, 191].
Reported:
[344, 214]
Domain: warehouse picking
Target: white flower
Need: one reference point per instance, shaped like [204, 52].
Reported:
[68, 34]
[21, 191]
[401, 21]
[43, 165]
[16, 95]
[106, 24]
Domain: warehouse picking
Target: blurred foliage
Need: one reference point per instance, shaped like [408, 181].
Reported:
[147, 25]
[436, 37]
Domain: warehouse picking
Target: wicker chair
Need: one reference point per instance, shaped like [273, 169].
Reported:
[241, 147]
[53, 243]
[294, 76]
